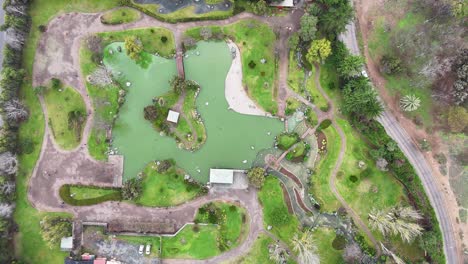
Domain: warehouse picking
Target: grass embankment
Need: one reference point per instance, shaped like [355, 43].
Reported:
[60, 104]
[88, 195]
[306, 88]
[183, 14]
[105, 99]
[287, 140]
[323, 238]
[204, 241]
[120, 16]
[166, 189]
[275, 211]
[29, 245]
[320, 189]
[256, 41]
[258, 253]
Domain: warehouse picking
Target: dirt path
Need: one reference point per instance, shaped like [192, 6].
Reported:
[58, 56]
[332, 180]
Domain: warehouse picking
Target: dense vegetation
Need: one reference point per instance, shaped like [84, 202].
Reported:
[16, 27]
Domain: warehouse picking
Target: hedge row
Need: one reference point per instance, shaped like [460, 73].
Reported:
[65, 194]
[160, 17]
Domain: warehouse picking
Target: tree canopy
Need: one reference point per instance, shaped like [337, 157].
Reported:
[333, 15]
[319, 50]
[360, 99]
[133, 47]
[256, 176]
[308, 27]
[350, 66]
[53, 228]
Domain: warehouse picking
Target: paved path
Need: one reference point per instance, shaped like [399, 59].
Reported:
[416, 158]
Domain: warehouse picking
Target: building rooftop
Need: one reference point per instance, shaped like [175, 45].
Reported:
[284, 3]
[66, 244]
[221, 176]
[173, 116]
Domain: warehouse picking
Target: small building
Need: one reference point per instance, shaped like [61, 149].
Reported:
[66, 244]
[221, 176]
[113, 261]
[72, 261]
[284, 3]
[100, 261]
[173, 116]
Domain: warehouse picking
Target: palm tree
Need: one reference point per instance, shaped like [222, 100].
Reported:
[305, 248]
[410, 102]
[278, 253]
[397, 221]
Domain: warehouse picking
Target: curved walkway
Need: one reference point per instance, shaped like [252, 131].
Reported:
[57, 56]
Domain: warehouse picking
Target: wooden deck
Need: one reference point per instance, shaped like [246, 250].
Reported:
[180, 64]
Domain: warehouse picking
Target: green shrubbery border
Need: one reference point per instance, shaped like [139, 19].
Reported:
[64, 193]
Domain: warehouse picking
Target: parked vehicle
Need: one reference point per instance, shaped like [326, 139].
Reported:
[140, 249]
[148, 249]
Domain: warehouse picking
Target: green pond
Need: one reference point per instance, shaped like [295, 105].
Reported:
[230, 135]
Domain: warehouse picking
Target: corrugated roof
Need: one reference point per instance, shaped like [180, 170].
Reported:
[221, 176]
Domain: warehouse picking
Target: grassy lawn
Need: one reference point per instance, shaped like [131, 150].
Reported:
[150, 39]
[299, 151]
[287, 140]
[166, 189]
[371, 185]
[192, 244]
[81, 193]
[320, 188]
[105, 103]
[189, 109]
[256, 41]
[272, 199]
[292, 104]
[59, 105]
[295, 74]
[120, 16]
[184, 14]
[323, 238]
[154, 241]
[30, 246]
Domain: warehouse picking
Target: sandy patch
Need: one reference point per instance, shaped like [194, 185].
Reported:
[236, 96]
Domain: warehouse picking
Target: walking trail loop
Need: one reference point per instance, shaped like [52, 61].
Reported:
[57, 56]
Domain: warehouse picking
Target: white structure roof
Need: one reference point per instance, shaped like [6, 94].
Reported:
[173, 116]
[66, 243]
[221, 176]
[284, 3]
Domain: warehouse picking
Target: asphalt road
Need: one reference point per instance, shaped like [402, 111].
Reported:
[418, 161]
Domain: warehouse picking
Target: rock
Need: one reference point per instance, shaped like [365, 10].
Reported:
[128, 84]
[206, 103]
[263, 61]
[111, 51]
[244, 161]
[119, 48]
[269, 227]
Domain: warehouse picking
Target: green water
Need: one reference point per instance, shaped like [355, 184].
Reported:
[230, 135]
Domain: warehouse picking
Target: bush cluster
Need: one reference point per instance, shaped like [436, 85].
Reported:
[16, 27]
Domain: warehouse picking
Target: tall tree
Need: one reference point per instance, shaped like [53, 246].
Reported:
[133, 47]
[360, 99]
[350, 66]
[333, 16]
[305, 248]
[256, 176]
[308, 27]
[319, 50]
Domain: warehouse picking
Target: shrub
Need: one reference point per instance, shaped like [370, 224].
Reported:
[279, 216]
[42, 28]
[390, 64]
[56, 84]
[26, 146]
[256, 177]
[252, 64]
[325, 124]
[132, 189]
[196, 228]
[339, 242]
[53, 228]
[163, 39]
[353, 178]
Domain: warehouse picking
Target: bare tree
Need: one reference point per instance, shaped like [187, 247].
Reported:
[8, 163]
[6, 210]
[278, 253]
[352, 253]
[395, 258]
[15, 111]
[7, 188]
